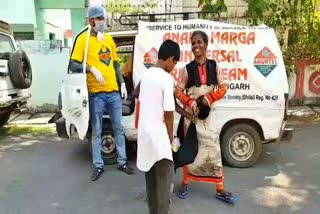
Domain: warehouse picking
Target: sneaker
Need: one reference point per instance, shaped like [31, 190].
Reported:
[183, 193]
[97, 172]
[226, 197]
[126, 169]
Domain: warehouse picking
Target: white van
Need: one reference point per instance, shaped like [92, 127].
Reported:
[253, 111]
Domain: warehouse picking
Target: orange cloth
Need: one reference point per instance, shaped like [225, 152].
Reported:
[187, 177]
[127, 67]
[218, 94]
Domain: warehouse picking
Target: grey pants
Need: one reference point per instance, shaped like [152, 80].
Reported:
[158, 181]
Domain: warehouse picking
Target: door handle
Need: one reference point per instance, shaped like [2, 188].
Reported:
[78, 90]
[84, 103]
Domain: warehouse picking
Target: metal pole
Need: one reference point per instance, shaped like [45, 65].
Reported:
[86, 5]
[237, 12]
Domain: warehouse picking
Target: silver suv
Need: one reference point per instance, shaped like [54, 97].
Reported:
[15, 74]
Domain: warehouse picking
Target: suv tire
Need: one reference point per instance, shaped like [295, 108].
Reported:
[20, 69]
[241, 146]
[4, 118]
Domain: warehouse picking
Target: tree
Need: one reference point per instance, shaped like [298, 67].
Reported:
[126, 7]
[297, 23]
[256, 10]
[212, 9]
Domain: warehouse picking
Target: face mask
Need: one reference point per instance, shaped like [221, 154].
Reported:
[99, 28]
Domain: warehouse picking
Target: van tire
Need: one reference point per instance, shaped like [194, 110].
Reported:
[241, 146]
[61, 128]
[20, 69]
[4, 118]
[109, 151]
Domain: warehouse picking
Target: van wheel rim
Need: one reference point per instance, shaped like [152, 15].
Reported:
[108, 144]
[241, 146]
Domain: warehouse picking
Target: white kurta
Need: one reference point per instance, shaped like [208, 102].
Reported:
[156, 97]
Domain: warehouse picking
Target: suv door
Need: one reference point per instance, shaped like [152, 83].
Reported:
[75, 102]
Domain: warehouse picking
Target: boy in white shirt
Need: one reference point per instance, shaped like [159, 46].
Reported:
[155, 129]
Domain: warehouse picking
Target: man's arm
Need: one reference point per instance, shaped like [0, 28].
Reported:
[168, 106]
[116, 64]
[119, 76]
[168, 119]
[77, 67]
[181, 111]
[75, 64]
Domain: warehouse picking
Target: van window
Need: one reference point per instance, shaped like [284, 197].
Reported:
[6, 44]
[125, 55]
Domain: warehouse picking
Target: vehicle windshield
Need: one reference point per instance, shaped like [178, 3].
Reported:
[5, 44]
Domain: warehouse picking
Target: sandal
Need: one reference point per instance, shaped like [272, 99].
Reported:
[226, 197]
[183, 193]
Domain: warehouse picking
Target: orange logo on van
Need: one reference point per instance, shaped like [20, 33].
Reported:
[265, 61]
[150, 58]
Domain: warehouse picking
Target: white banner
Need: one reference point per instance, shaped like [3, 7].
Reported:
[249, 58]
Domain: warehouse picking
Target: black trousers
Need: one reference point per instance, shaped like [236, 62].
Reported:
[158, 182]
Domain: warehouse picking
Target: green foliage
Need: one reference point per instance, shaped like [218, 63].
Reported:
[125, 6]
[298, 26]
[22, 129]
[256, 10]
[213, 9]
[123, 58]
[296, 22]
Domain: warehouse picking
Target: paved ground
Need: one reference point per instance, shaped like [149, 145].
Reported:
[48, 175]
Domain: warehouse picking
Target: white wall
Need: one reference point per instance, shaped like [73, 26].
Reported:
[292, 85]
[310, 70]
[58, 31]
[49, 66]
[48, 72]
[309, 97]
